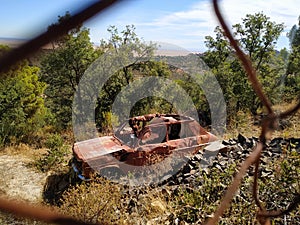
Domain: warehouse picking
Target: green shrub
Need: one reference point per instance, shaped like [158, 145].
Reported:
[22, 107]
[195, 204]
[55, 156]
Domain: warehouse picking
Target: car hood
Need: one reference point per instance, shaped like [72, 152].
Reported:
[97, 147]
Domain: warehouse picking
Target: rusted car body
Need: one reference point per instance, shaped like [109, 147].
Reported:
[141, 141]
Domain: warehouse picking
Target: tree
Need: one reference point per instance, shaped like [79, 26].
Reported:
[21, 103]
[63, 68]
[257, 36]
[294, 34]
[125, 43]
[293, 68]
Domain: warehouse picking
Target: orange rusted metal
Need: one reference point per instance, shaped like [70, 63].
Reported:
[149, 135]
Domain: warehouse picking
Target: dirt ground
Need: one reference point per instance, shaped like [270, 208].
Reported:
[19, 181]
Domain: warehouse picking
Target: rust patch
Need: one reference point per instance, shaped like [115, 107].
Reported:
[140, 141]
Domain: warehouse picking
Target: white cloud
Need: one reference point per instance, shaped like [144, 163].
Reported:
[278, 11]
[189, 27]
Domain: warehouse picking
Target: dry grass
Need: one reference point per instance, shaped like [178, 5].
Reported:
[244, 124]
[109, 203]
[23, 150]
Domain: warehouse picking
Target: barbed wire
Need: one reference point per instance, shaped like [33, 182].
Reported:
[14, 207]
[41, 213]
[269, 123]
[54, 32]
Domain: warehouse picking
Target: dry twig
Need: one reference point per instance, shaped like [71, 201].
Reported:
[48, 215]
[53, 33]
[268, 126]
[12, 57]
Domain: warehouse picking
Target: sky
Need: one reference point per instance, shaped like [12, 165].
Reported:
[183, 23]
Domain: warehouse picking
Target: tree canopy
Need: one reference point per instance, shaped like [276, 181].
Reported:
[293, 67]
[21, 103]
[257, 36]
[62, 70]
[25, 88]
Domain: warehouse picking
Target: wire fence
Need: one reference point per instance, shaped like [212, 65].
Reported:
[269, 123]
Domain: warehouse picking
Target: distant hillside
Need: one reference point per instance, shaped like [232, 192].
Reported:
[165, 51]
[11, 42]
[170, 52]
[15, 42]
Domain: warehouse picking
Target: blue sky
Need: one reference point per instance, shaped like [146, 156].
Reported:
[178, 22]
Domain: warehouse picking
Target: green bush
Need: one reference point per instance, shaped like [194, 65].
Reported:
[55, 156]
[22, 107]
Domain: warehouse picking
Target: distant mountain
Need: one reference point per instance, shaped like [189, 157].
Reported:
[32, 59]
[15, 42]
[170, 52]
[12, 42]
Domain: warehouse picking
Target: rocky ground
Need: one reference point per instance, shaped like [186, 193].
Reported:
[192, 175]
[21, 182]
[235, 150]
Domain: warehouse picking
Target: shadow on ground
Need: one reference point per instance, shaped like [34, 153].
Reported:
[56, 185]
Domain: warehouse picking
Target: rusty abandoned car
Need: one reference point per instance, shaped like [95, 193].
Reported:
[140, 141]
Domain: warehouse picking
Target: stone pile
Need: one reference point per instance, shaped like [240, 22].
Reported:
[189, 176]
[234, 150]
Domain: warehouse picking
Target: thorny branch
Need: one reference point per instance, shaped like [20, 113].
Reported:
[53, 33]
[235, 184]
[44, 214]
[269, 124]
[245, 60]
[18, 208]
